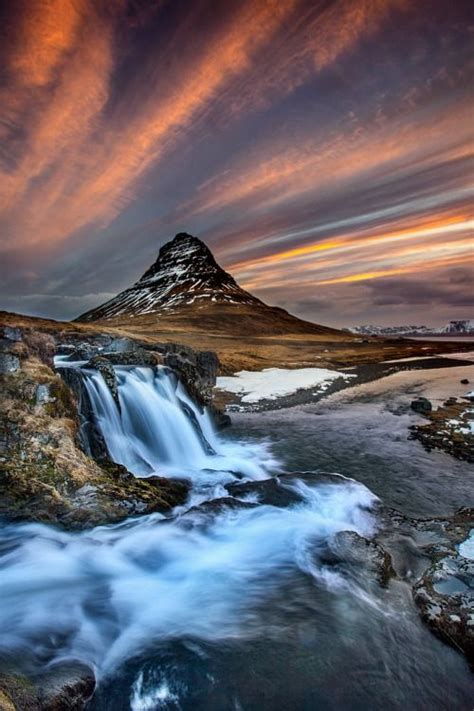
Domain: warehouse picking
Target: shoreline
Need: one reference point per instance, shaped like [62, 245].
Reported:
[363, 374]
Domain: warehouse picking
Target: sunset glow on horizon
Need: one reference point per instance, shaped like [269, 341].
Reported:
[323, 150]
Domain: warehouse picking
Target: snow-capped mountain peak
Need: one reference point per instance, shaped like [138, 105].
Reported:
[459, 327]
[184, 273]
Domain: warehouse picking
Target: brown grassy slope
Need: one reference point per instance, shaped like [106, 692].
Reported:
[250, 338]
[243, 340]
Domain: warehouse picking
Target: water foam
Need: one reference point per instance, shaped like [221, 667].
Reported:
[105, 595]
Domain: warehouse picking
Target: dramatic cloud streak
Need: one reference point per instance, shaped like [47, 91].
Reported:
[312, 144]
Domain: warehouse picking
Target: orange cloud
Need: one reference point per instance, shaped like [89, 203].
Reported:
[441, 227]
[91, 178]
[45, 33]
[279, 170]
[80, 167]
[415, 267]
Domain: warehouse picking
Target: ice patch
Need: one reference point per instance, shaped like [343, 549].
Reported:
[272, 383]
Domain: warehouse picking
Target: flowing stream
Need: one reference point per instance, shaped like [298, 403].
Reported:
[217, 607]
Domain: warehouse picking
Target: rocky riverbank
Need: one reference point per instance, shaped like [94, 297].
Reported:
[450, 426]
[428, 554]
[351, 377]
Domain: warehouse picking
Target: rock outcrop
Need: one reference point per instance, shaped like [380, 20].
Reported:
[351, 548]
[54, 465]
[445, 597]
[450, 427]
[428, 554]
[65, 687]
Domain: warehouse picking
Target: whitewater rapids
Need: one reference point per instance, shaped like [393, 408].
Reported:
[105, 595]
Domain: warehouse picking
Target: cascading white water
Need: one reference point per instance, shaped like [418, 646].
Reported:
[158, 429]
[105, 595]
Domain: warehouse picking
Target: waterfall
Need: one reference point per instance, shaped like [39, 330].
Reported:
[218, 574]
[158, 429]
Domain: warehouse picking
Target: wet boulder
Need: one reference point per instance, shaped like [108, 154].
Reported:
[349, 547]
[271, 492]
[66, 687]
[196, 369]
[106, 369]
[88, 434]
[138, 357]
[421, 405]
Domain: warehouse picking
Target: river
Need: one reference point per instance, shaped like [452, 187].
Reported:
[242, 606]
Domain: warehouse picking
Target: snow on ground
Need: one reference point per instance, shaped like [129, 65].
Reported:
[461, 426]
[272, 383]
[467, 355]
[405, 360]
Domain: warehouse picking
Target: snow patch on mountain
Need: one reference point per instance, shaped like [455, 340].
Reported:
[184, 273]
[373, 330]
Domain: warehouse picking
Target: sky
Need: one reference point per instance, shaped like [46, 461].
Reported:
[323, 150]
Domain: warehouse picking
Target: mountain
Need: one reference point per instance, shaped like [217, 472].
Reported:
[185, 285]
[463, 327]
[372, 330]
[185, 272]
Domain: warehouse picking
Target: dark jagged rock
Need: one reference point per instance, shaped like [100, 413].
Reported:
[197, 370]
[269, 491]
[216, 507]
[65, 687]
[464, 381]
[89, 437]
[421, 405]
[138, 357]
[106, 369]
